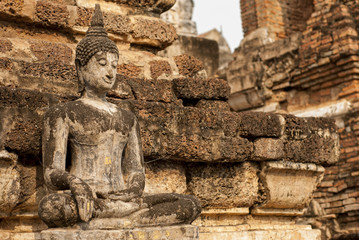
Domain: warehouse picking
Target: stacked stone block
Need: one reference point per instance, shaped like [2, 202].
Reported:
[192, 142]
[315, 73]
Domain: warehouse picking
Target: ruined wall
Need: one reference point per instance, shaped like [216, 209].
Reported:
[205, 49]
[283, 17]
[248, 169]
[312, 72]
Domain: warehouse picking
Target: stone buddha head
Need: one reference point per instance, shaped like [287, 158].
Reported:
[96, 57]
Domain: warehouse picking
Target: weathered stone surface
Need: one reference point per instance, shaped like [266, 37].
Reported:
[170, 131]
[182, 232]
[159, 90]
[165, 177]
[289, 185]
[197, 149]
[300, 128]
[152, 29]
[268, 149]
[83, 17]
[129, 70]
[260, 232]
[245, 100]
[26, 223]
[213, 104]
[9, 183]
[317, 149]
[5, 235]
[153, 6]
[5, 45]
[222, 217]
[11, 7]
[6, 64]
[51, 14]
[193, 54]
[156, 34]
[260, 66]
[224, 185]
[159, 68]
[22, 121]
[317, 136]
[257, 124]
[51, 77]
[117, 24]
[51, 52]
[186, 88]
[31, 192]
[187, 65]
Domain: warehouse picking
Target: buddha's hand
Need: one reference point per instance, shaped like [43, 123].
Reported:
[84, 198]
[125, 195]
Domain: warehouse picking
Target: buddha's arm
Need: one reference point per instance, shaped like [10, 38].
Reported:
[54, 148]
[133, 164]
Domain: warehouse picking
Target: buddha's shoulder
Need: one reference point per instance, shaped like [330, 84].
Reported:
[127, 115]
[63, 110]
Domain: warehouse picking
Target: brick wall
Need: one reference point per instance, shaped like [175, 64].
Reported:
[338, 193]
[282, 16]
[249, 16]
[295, 14]
[325, 71]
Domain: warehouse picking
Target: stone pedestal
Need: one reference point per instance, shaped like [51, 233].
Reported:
[260, 232]
[182, 232]
[289, 187]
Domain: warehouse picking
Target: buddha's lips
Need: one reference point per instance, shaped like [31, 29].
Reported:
[110, 81]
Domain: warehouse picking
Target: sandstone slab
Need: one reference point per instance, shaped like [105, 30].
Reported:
[268, 149]
[288, 186]
[260, 233]
[182, 232]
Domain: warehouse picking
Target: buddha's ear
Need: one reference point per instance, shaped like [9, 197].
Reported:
[81, 82]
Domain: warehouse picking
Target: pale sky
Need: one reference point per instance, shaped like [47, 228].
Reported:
[225, 14]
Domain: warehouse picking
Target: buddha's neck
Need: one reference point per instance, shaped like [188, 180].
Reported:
[95, 96]
[98, 102]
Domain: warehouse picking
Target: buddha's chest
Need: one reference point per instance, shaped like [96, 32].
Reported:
[96, 128]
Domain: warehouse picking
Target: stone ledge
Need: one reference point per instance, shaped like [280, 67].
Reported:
[277, 212]
[260, 232]
[181, 232]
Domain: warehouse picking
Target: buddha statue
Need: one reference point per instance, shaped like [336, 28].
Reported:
[92, 156]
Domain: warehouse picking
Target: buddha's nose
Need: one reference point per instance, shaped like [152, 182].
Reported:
[109, 74]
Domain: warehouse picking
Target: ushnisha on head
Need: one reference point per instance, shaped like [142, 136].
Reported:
[96, 56]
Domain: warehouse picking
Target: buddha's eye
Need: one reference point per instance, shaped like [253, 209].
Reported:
[102, 62]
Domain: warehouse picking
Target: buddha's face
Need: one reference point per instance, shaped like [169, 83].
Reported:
[99, 74]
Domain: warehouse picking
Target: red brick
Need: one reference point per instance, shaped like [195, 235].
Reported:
[349, 201]
[334, 210]
[353, 159]
[336, 204]
[351, 207]
[353, 194]
[326, 184]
